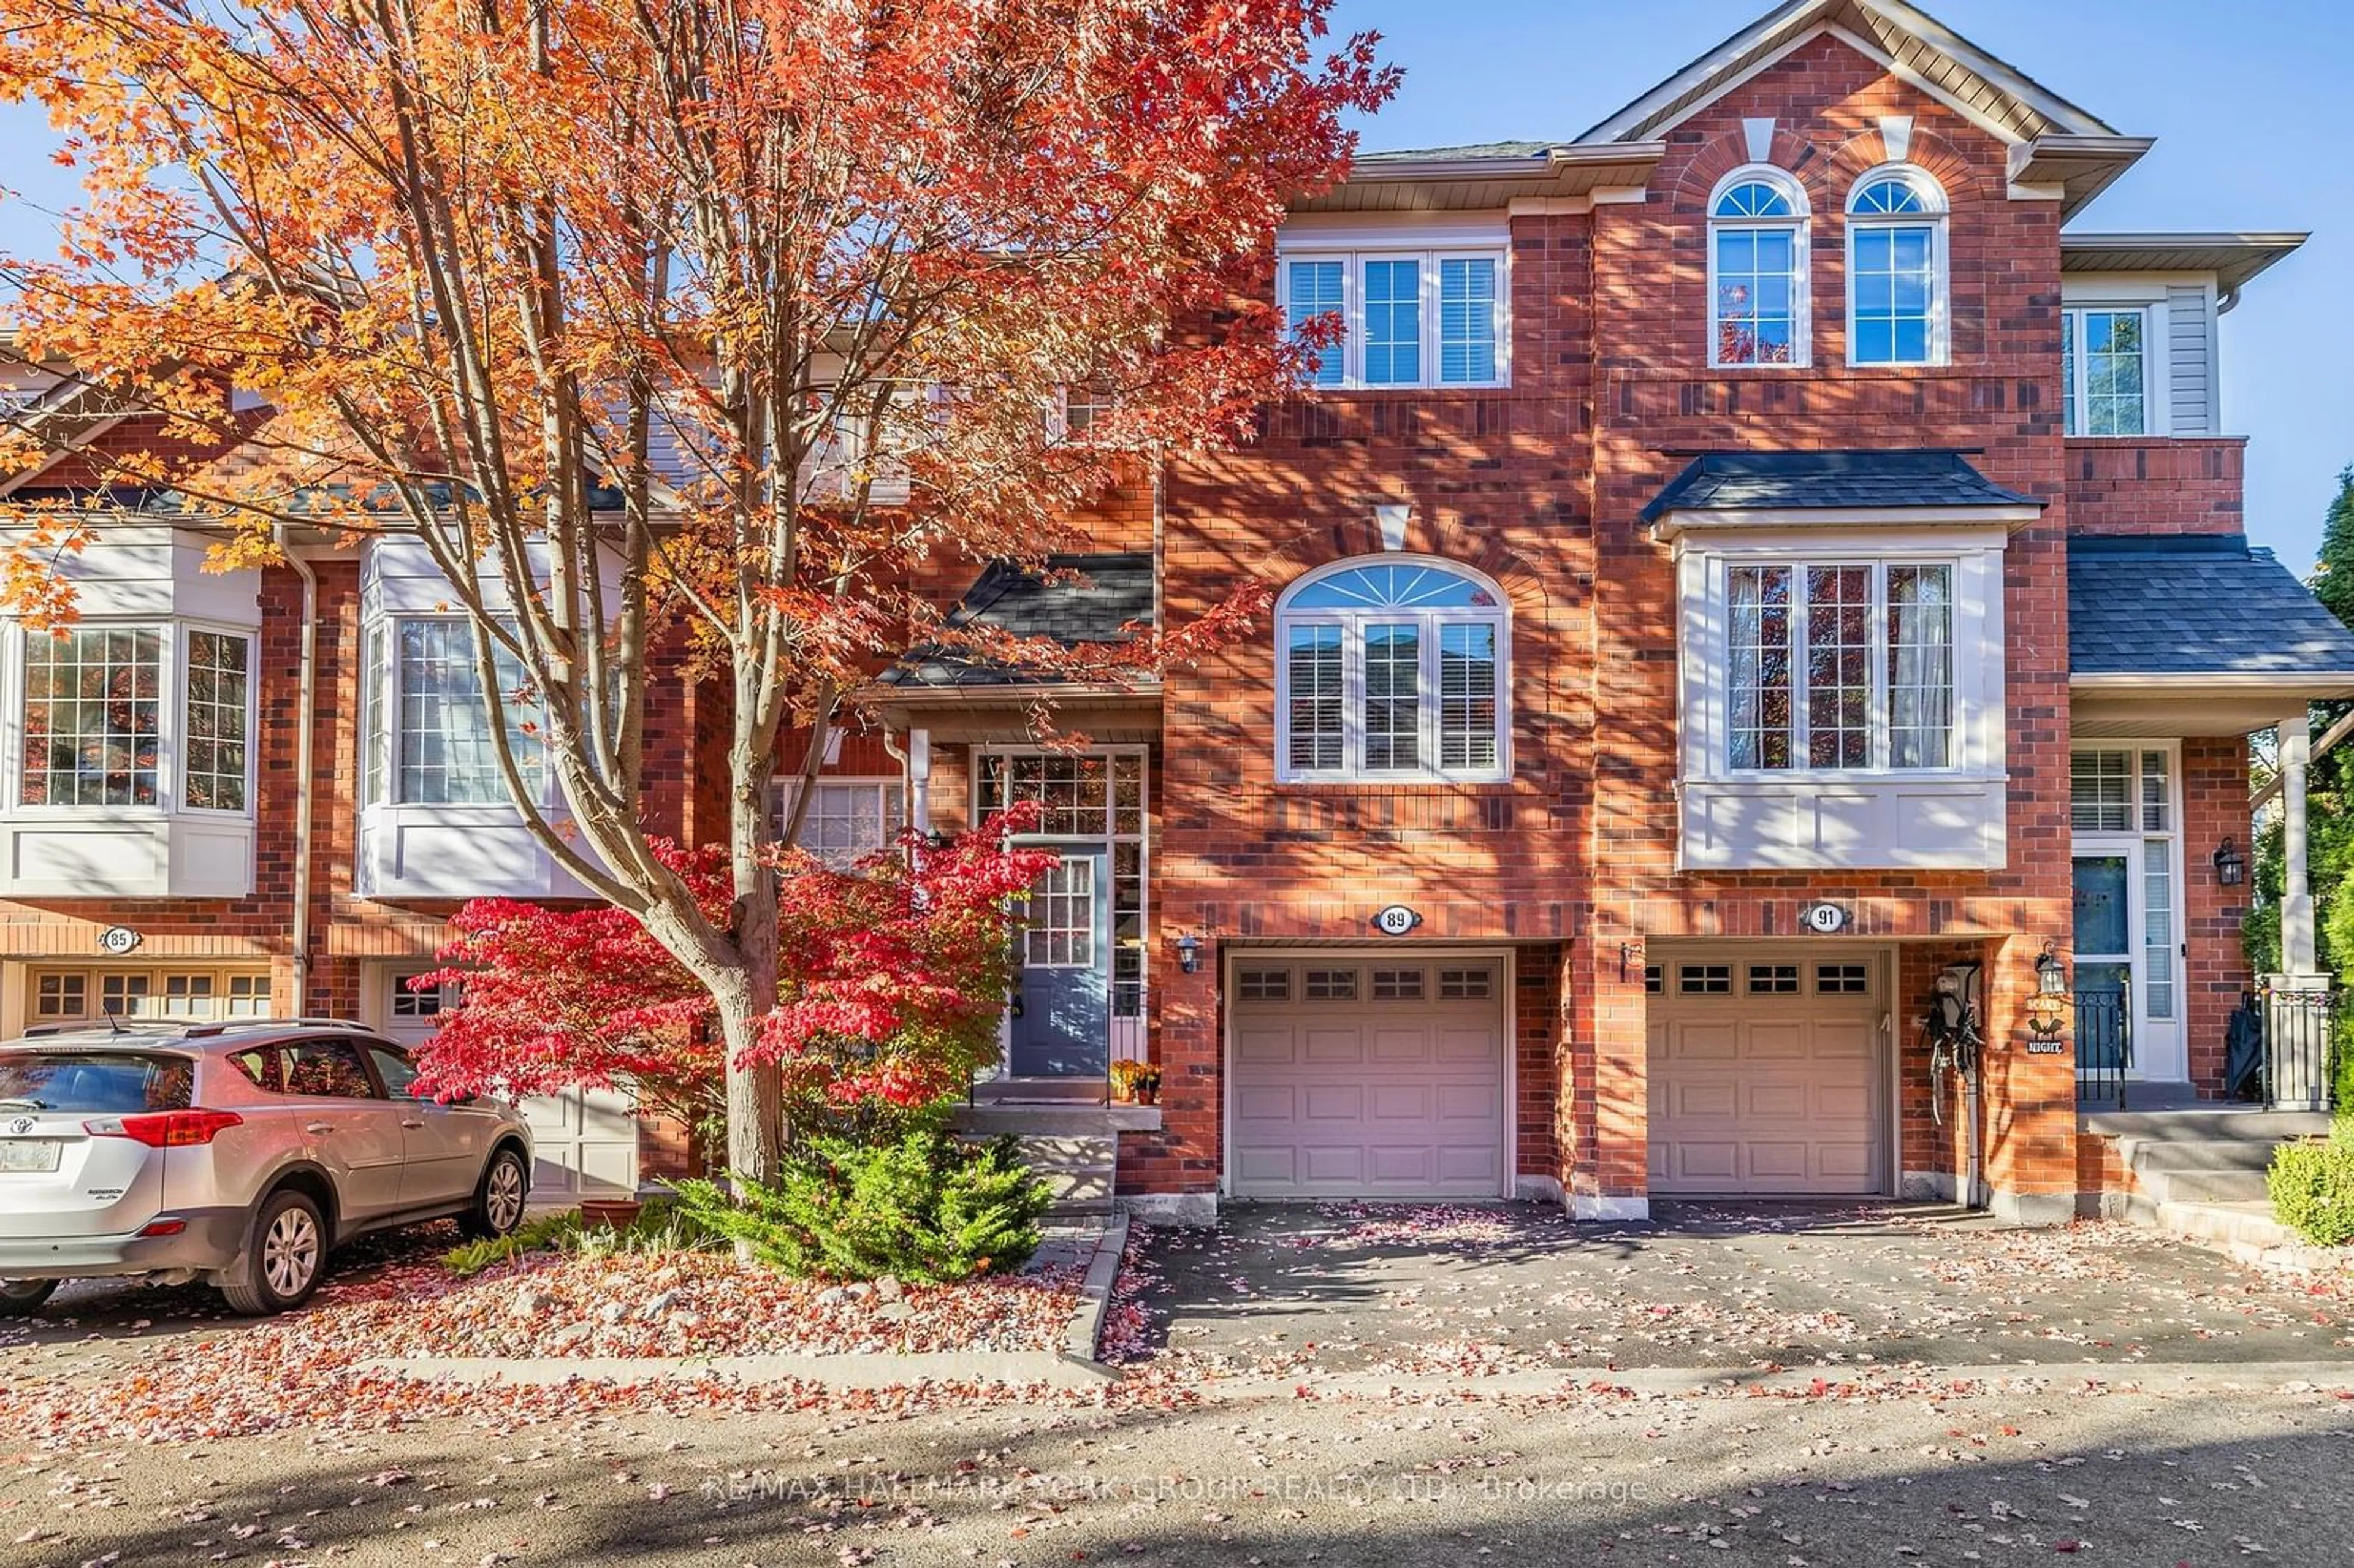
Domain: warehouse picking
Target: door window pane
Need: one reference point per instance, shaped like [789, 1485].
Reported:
[2103, 923]
[92, 717]
[2157, 938]
[1062, 930]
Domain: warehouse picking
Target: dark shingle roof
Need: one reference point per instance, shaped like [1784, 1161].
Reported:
[2195, 605]
[1451, 154]
[1749, 481]
[1117, 592]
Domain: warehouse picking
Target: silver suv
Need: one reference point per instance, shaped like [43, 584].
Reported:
[238, 1154]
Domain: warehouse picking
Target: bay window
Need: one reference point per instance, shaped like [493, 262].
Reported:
[1411, 318]
[156, 716]
[1840, 665]
[429, 741]
[1392, 671]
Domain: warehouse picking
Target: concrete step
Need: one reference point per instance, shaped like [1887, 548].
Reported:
[1093, 1091]
[2146, 1154]
[1077, 1155]
[2240, 1186]
[2238, 1225]
[1053, 1121]
[2220, 1122]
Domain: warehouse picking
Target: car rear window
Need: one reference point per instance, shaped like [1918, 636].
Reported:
[109, 1082]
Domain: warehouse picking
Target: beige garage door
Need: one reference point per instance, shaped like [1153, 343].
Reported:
[1378, 1079]
[1768, 1076]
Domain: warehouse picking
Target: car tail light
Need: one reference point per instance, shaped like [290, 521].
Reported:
[163, 1227]
[165, 1130]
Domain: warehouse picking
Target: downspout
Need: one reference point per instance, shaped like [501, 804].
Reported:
[306, 719]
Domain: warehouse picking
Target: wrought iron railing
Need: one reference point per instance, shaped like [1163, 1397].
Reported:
[2103, 1046]
[2300, 1027]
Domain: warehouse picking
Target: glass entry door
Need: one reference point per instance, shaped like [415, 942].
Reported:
[1060, 1025]
[2126, 1010]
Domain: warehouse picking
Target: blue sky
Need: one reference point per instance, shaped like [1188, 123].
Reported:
[2242, 102]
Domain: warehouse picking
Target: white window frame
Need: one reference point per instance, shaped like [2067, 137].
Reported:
[380, 714]
[2157, 373]
[1352, 622]
[890, 794]
[1974, 558]
[171, 734]
[1936, 220]
[1800, 226]
[1878, 729]
[1424, 247]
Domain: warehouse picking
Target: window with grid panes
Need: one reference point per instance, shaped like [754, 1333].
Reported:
[1263, 985]
[1408, 319]
[1390, 670]
[1467, 984]
[1092, 796]
[847, 818]
[1398, 985]
[1836, 667]
[1329, 985]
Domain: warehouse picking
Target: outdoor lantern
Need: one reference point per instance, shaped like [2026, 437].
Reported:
[1189, 952]
[2231, 866]
[2047, 1011]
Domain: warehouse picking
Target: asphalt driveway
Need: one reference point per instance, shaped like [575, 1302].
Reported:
[1415, 1290]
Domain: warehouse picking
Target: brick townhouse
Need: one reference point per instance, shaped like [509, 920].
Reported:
[1753, 570]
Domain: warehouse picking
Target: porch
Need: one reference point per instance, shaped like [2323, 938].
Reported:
[2181, 649]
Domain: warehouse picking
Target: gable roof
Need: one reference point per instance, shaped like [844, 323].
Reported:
[2192, 605]
[1820, 481]
[1988, 89]
[1117, 593]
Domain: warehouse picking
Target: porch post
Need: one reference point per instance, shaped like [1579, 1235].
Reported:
[2296, 738]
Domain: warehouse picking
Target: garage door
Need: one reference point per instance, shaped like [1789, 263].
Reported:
[1367, 1079]
[584, 1144]
[1767, 1075]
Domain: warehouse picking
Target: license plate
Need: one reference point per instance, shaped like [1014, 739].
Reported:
[29, 1154]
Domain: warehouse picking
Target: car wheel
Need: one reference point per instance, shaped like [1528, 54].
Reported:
[499, 1199]
[282, 1263]
[23, 1297]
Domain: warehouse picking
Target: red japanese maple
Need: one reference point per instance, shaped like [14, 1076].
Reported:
[896, 964]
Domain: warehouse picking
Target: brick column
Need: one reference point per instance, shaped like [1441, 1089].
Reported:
[1171, 1176]
[1611, 1177]
[2027, 1119]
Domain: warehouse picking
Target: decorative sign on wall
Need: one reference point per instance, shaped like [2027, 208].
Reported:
[1823, 919]
[2047, 1047]
[1395, 921]
[117, 940]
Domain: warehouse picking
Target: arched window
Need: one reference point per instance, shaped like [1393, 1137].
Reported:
[1896, 270]
[1393, 668]
[1757, 269]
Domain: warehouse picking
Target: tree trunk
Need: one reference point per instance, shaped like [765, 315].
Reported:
[756, 1101]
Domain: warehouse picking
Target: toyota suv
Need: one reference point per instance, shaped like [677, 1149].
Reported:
[240, 1154]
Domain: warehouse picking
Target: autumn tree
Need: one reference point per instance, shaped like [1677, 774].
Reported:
[743, 307]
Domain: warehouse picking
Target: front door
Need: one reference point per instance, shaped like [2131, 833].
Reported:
[1060, 1025]
[2127, 1017]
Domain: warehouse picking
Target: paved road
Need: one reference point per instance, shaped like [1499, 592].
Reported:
[1999, 1477]
[1378, 1386]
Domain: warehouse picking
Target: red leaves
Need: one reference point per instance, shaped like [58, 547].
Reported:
[893, 974]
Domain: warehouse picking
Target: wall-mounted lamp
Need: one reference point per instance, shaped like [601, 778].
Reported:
[2231, 866]
[936, 840]
[2047, 1010]
[1189, 953]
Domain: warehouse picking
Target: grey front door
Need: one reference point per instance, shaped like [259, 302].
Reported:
[1061, 1025]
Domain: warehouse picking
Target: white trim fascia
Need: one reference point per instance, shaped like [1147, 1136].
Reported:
[1546, 206]
[1619, 196]
[2020, 190]
[1977, 62]
[1670, 525]
[1347, 231]
[2320, 682]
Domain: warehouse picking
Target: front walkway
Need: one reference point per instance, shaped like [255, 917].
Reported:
[1416, 1290]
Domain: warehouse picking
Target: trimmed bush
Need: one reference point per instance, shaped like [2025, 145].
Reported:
[2312, 1186]
[927, 1208]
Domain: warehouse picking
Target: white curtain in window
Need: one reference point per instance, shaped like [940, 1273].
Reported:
[1920, 667]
